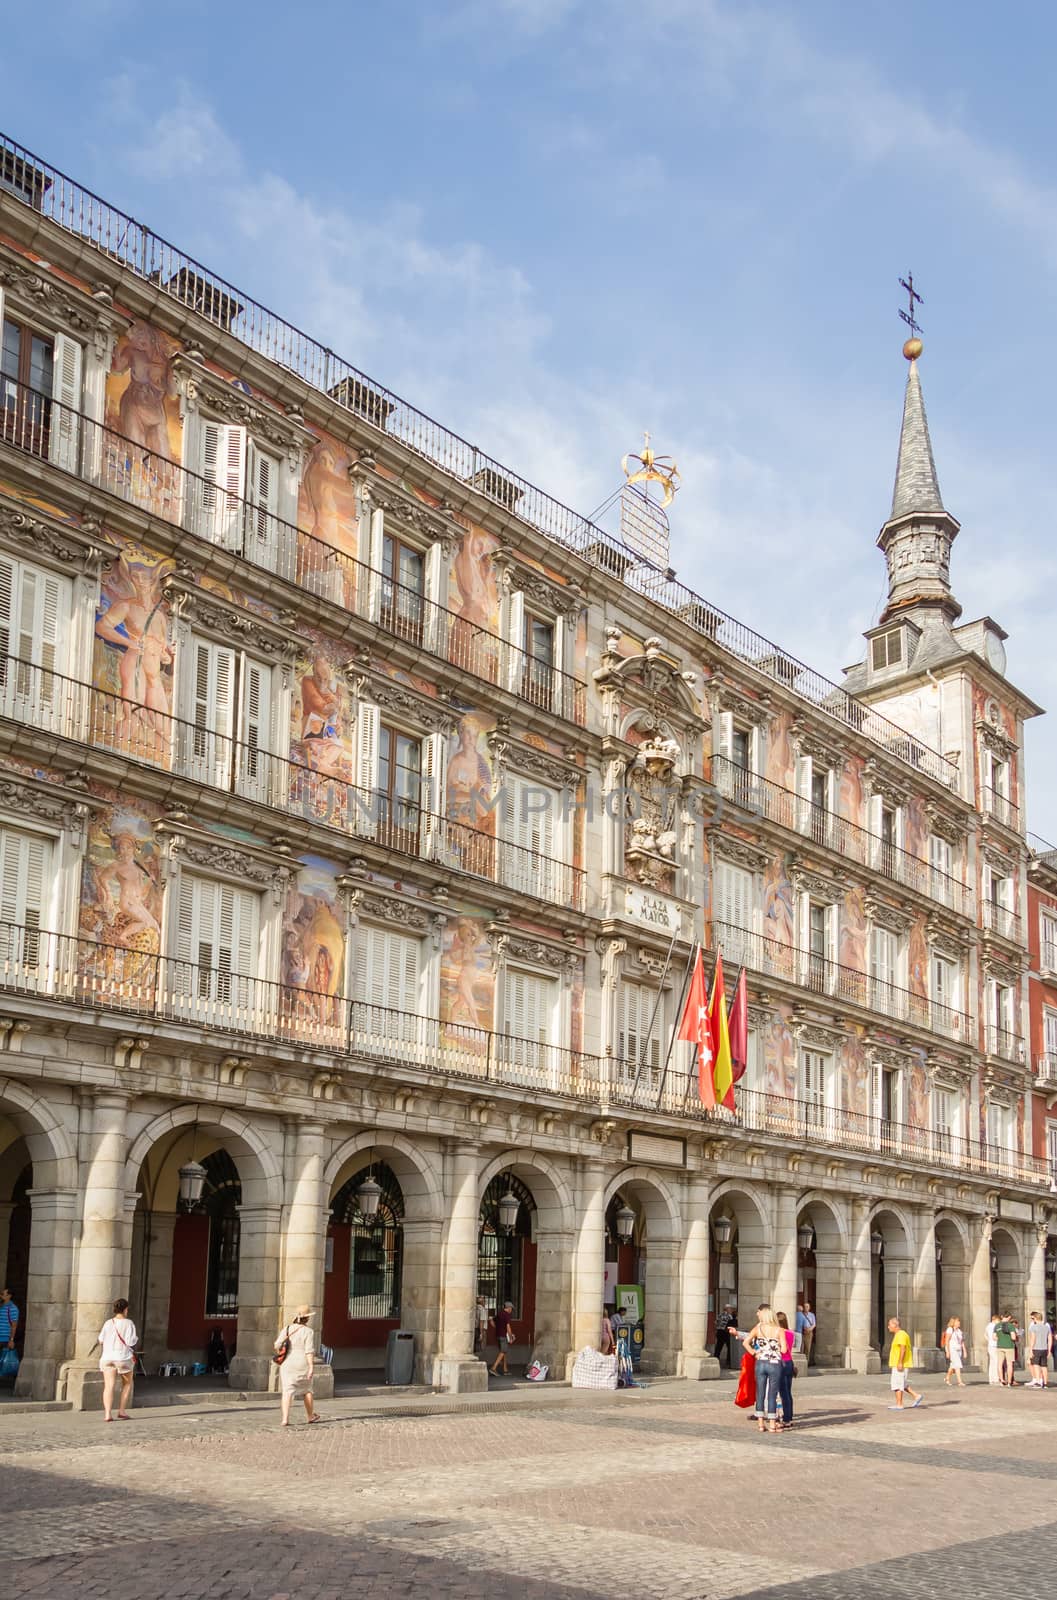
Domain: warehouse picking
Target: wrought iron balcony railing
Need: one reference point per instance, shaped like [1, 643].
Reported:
[821, 976]
[405, 824]
[1046, 1067]
[1001, 920]
[44, 428]
[1006, 1044]
[95, 976]
[1002, 808]
[143, 253]
[762, 798]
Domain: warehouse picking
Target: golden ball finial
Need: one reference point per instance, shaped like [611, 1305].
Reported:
[912, 349]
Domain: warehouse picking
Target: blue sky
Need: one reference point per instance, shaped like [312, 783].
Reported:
[553, 223]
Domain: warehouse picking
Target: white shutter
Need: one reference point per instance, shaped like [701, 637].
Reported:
[724, 749]
[25, 881]
[733, 905]
[882, 968]
[365, 800]
[255, 729]
[434, 751]
[1050, 1034]
[387, 978]
[34, 606]
[516, 636]
[65, 425]
[217, 935]
[211, 697]
[374, 583]
[530, 816]
[222, 465]
[262, 491]
[636, 1040]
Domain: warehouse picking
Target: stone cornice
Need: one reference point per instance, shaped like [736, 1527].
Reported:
[227, 621]
[78, 549]
[204, 390]
[33, 287]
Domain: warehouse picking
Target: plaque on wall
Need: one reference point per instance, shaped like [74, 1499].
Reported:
[1016, 1210]
[651, 910]
[654, 1147]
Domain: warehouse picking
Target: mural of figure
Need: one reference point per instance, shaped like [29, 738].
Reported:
[918, 958]
[919, 1095]
[121, 899]
[915, 828]
[466, 976]
[780, 751]
[853, 930]
[328, 512]
[313, 950]
[475, 602]
[146, 355]
[779, 917]
[469, 789]
[320, 743]
[133, 621]
[855, 1073]
[850, 801]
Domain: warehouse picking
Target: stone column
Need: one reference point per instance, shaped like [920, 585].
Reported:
[859, 1354]
[157, 1286]
[305, 1234]
[260, 1317]
[6, 1208]
[455, 1367]
[104, 1249]
[786, 1259]
[1035, 1250]
[47, 1310]
[420, 1292]
[979, 1291]
[589, 1256]
[663, 1264]
[919, 1315]
[695, 1359]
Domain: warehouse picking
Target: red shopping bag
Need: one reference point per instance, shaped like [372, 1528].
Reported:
[746, 1395]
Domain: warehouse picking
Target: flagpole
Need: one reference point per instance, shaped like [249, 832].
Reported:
[686, 1091]
[653, 1017]
[694, 948]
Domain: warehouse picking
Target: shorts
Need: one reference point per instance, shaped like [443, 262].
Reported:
[124, 1367]
[1039, 1358]
[899, 1380]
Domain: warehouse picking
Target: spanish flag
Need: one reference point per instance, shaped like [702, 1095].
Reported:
[722, 1065]
[696, 1026]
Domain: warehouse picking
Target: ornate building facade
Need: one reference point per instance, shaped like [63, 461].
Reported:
[360, 806]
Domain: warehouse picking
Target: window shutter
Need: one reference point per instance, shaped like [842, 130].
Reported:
[212, 712]
[365, 802]
[388, 971]
[516, 636]
[8, 580]
[263, 495]
[726, 734]
[255, 728]
[24, 863]
[66, 390]
[223, 457]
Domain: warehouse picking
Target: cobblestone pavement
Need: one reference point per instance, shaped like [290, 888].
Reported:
[668, 1493]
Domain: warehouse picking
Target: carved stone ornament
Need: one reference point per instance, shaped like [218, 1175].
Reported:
[650, 680]
[812, 1034]
[944, 825]
[417, 710]
[883, 1055]
[543, 593]
[998, 860]
[1003, 972]
[995, 738]
[817, 887]
[29, 533]
[809, 741]
[882, 915]
[537, 953]
[878, 782]
[725, 697]
[403, 513]
[396, 912]
[723, 847]
[945, 943]
[210, 853]
[511, 755]
[611, 948]
[203, 390]
[759, 1016]
[56, 302]
[224, 621]
[43, 802]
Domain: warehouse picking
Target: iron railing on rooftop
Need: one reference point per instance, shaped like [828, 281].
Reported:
[45, 428]
[762, 798]
[404, 824]
[139, 250]
[103, 977]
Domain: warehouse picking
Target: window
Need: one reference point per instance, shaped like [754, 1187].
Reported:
[944, 979]
[1049, 1036]
[531, 819]
[640, 1030]
[941, 866]
[884, 955]
[228, 704]
[530, 1020]
[217, 948]
[239, 496]
[1051, 1149]
[399, 789]
[819, 936]
[888, 1091]
[737, 761]
[740, 748]
[537, 683]
[1000, 1126]
[25, 890]
[386, 980]
[1002, 1041]
[815, 1077]
[733, 907]
[889, 835]
[40, 392]
[34, 607]
[819, 794]
[403, 588]
[944, 1120]
[887, 649]
[1048, 943]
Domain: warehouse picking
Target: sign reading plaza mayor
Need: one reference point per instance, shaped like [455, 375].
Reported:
[650, 910]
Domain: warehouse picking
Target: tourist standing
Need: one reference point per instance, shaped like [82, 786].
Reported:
[726, 1328]
[504, 1321]
[766, 1342]
[118, 1338]
[298, 1368]
[480, 1323]
[785, 1382]
[954, 1347]
[1006, 1344]
[899, 1359]
[8, 1320]
[1040, 1343]
[806, 1324]
[992, 1350]
[605, 1345]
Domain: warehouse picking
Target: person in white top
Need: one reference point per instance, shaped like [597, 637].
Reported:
[118, 1338]
[1040, 1343]
[992, 1351]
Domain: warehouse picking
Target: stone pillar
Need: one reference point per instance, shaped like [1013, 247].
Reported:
[260, 1317]
[1035, 1287]
[589, 1256]
[663, 1267]
[455, 1367]
[979, 1291]
[6, 1208]
[695, 1359]
[919, 1315]
[555, 1249]
[859, 1354]
[786, 1269]
[420, 1291]
[103, 1253]
[47, 1310]
[305, 1235]
[157, 1286]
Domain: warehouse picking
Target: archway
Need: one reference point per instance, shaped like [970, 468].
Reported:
[203, 1278]
[655, 1257]
[507, 1257]
[543, 1236]
[738, 1261]
[822, 1278]
[952, 1278]
[892, 1285]
[1007, 1275]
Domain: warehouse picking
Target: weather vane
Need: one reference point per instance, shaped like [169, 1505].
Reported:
[913, 346]
[652, 468]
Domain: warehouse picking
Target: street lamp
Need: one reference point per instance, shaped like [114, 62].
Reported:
[939, 1253]
[805, 1236]
[192, 1181]
[367, 1197]
[509, 1206]
[724, 1231]
[625, 1221]
[877, 1245]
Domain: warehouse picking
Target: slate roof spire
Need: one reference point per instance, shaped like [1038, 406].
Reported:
[916, 487]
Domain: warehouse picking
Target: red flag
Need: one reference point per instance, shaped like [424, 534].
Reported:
[739, 1027]
[723, 1066]
[695, 1026]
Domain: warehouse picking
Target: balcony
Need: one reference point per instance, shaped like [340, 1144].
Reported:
[1001, 808]
[41, 427]
[817, 973]
[1001, 920]
[49, 703]
[1046, 1070]
[76, 210]
[1005, 1044]
[762, 798]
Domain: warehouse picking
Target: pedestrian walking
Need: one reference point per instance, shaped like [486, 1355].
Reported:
[726, 1328]
[118, 1339]
[766, 1342]
[1006, 1344]
[605, 1343]
[480, 1323]
[785, 1382]
[992, 1350]
[504, 1322]
[297, 1369]
[8, 1320]
[953, 1347]
[805, 1326]
[899, 1359]
[1040, 1343]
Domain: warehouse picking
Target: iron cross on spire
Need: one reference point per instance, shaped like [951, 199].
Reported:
[908, 316]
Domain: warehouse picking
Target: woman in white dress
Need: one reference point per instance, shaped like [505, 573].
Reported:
[118, 1338]
[296, 1372]
[954, 1344]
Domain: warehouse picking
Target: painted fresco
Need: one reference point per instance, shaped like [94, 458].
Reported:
[779, 1051]
[851, 801]
[473, 596]
[469, 782]
[918, 958]
[918, 1093]
[313, 947]
[467, 982]
[853, 929]
[779, 916]
[328, 511]
[916, 827]
[855, 1073]
[321, 741]
[133, 657]
[121, 897]
[142, 407]
[781, 765]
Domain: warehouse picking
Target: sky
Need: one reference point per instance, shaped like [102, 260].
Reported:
[553, 224]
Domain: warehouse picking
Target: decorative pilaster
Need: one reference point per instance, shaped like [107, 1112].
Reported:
[455, 1366]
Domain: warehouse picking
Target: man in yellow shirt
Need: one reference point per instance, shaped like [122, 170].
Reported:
[899, 1361]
